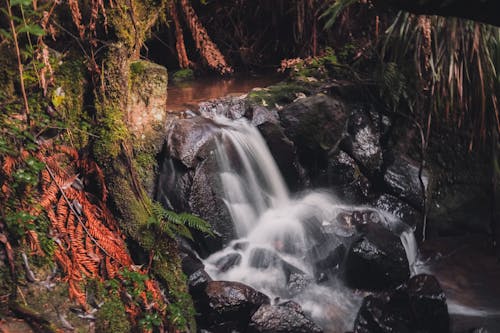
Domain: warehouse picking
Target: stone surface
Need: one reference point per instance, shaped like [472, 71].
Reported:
[286, 318]
[376, 260]
[316, 125]
[363, 143]
[227, 262]
[228, 304]
[402, 180]
[428, 303]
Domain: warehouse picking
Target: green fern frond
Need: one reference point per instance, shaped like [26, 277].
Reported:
[333, 12]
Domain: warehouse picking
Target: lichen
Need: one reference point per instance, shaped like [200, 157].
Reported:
[278, 94]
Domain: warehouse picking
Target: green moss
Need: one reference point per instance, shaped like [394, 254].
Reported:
[112, 318]
[183, 75]
[281, 93]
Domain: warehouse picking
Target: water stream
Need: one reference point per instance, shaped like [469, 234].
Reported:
[281, 236]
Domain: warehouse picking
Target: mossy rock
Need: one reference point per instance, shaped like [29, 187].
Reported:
[183, 75]
[279, 94]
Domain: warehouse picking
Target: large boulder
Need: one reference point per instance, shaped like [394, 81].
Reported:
[363, 142]
[228, 305]
[420, 306]
[376, 260]
[428, 303]
[284, 318]
[403, 180]
[316, 125]
[186, 138]
[399, 209]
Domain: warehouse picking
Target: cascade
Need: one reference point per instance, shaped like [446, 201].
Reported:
[280, 236]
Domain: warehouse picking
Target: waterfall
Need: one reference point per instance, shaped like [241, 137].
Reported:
[250, 178]
[281, 237]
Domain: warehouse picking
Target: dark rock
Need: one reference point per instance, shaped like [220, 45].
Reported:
[283, 151]
[227, 262]
[331, 263]
[428, 302]
[264, 258]
[479, 330]
[174, 184]
[282, 319]
[419, 306]
[363, 143]
[229, 305]
[376, 260]
[402, 179]
[392, 205]
[376, 315]
[204, 202]
[240, 245]
[197, 282]
[316, 125]
[346, 179]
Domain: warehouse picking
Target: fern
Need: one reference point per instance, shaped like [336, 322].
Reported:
[174, 224]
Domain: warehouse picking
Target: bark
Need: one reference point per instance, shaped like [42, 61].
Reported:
[483, 11]
[207, 48]
[179, 37]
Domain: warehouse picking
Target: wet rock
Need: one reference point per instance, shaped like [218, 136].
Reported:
[227, 262]
[194, 269]
[363, 143]
[174, 184]
[379, 314]
[419, 306]
[187, 137]
[392, 205]
[282, 319]
[331, 263]
[402, 179]
[232, 107]
[346, 179]
[197, 282]
[479, 330]
[428, 302]
[376, 260]
[283, 151]
[260, 115]
[204, 202]
[228, 305]
[316, 125]
[240, 245]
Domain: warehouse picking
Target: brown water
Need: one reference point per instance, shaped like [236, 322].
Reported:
[187, 95]
[470, 276]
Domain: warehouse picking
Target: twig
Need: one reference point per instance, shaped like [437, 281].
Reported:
[78, 215]
[19, 63]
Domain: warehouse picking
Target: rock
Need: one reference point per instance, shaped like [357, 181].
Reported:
[146, 115]
[346, 179]
[187, 137]
[228, 304]
[194, 269]
[282, 319]
[376, 260]
[428, 302]
[197, 282]
[331, 263]
[363, 143]
[419, 306]
[316, 125]
[261, 115]
[394, 206]
[232, 107]
[205, 201]
[378, 314]
[402, 179]
[174, 184]
[227, 262]
[283, 151]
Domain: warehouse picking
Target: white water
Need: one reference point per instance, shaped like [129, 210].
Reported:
[280, 237]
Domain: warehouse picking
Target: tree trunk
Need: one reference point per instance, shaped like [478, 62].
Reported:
[208, 50]
[179, 38]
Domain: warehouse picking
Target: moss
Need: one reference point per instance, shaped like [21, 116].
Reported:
[183, 75]
[281, 93]
[112, 318]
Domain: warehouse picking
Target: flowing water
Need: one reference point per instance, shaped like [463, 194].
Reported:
[280, 236]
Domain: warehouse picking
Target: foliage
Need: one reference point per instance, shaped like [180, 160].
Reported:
[173, 224]
[333, 11]
[111, 317]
